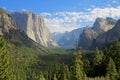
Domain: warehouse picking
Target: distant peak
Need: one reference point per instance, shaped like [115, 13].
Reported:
[102, 25]
[99, 19]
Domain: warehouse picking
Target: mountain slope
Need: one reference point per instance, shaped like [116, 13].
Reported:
[13, 35]
[70, 38]
[89, 35]
[108, 37]
[33, 25]
[102, 25]
[25, 55]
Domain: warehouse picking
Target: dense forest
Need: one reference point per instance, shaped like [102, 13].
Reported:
[61, 64]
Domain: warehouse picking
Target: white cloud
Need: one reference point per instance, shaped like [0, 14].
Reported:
[67, 21]
[46, 14]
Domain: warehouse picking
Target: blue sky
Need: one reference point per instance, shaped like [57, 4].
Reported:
[51, 6]
[66, 15]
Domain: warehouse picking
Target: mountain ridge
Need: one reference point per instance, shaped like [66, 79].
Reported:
[33, 25]
[100, 26]
[70, 39]
[108, 37]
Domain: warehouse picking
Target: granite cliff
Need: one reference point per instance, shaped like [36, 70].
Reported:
[90, 34]
[33, 25]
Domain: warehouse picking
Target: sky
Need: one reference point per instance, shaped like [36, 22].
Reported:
[66, 15]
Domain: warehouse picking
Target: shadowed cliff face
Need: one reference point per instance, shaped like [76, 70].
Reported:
[108, 37]
[33, 25]
[90, 34]
[87, 37]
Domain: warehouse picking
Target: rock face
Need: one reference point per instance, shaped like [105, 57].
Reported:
[15, 38]
[89, 35]
[70, 39]
[6, 23]
[102, 25]
[108, 37]
[33, 26]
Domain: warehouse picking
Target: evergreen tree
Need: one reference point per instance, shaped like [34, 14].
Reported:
[99, 63]
[41, 77]
[4, 62]
[98, 57]
[111, 70]
[114, 52]
[77, 72]
[65, 74]
[54, 77]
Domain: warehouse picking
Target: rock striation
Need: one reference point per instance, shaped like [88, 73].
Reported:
[33, 25]
[90, 34]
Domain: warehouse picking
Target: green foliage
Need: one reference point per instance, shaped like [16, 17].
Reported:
[4, 61]
[28, 60]
[54, 77]
[114, 52]
[41, 77]
[65, 74]
[99, 65]
[77, 72]
[111, 70]
[98, 57]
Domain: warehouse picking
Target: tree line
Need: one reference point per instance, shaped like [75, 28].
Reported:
[104, 65]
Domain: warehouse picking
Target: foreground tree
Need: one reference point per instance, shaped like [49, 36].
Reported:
[65, 74]
[114, 52]
[54, 77]
[77, 72]
[99, 65]
[4, 62]
[41, 77]
[111, 70]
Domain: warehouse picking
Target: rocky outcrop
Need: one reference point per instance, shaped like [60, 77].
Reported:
[16, 39]
[108, 37]
[6, 23]
[87, 37]
[33, 25]
[100, 27]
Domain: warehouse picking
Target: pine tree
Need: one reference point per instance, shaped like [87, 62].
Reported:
[4, 62]
[114, 52]
[54, 77]
[98, 57]
[41, 77]
[111, 70]
[77, 72]
[65, 74]
[99, 63]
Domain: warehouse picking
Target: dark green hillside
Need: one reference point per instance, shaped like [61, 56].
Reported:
[23, 59]
[27, 58]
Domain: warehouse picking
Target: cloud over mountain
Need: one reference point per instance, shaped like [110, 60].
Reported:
[67, 21]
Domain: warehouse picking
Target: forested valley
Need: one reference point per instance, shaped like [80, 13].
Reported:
[73, 65]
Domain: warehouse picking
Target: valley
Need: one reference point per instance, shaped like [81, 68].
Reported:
[30, 51]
